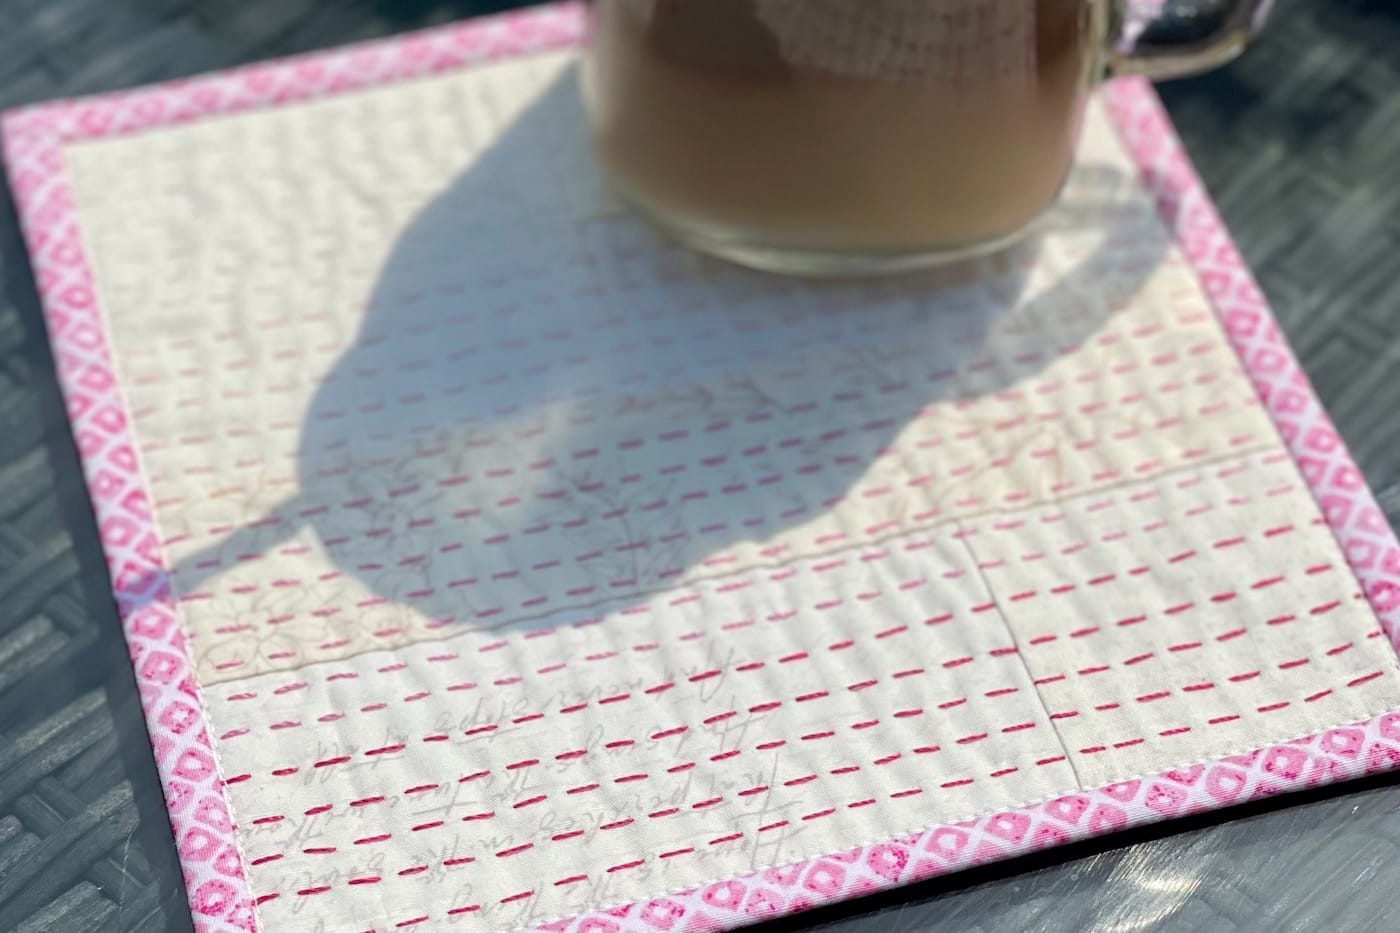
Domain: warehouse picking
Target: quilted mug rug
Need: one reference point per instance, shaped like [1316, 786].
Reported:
[488, 562]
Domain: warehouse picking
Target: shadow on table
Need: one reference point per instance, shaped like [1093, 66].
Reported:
[548, 408]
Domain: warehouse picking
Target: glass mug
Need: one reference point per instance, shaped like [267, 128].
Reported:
[854, 137]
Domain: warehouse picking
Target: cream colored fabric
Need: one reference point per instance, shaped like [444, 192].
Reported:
[353, 317]
[520, 550]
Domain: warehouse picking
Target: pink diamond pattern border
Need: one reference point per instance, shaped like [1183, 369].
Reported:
[206, 837]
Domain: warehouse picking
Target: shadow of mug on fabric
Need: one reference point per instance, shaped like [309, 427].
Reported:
[602, 425]
[860, 136]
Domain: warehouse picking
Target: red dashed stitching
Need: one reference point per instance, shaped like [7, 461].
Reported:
[552, 564]
[618, 824]
[692, 596]
[822, 813]
[840, 397]
[809, 697]
[745, 667]
[824, 734]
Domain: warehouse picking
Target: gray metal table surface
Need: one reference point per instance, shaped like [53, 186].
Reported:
[1298, 142]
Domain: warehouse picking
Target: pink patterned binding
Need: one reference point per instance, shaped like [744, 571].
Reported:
[210, 854]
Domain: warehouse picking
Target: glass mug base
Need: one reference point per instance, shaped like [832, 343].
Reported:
[763, 256]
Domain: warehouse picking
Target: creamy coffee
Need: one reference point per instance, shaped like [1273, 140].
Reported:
[849, 125]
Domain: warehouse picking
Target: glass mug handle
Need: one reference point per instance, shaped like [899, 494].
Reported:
[1182, 37]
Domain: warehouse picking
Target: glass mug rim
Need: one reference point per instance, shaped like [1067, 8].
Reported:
[660, 100]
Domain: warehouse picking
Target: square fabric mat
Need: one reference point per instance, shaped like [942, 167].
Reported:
[490, 563]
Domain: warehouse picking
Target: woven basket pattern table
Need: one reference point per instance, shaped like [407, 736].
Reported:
[1299, 143]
